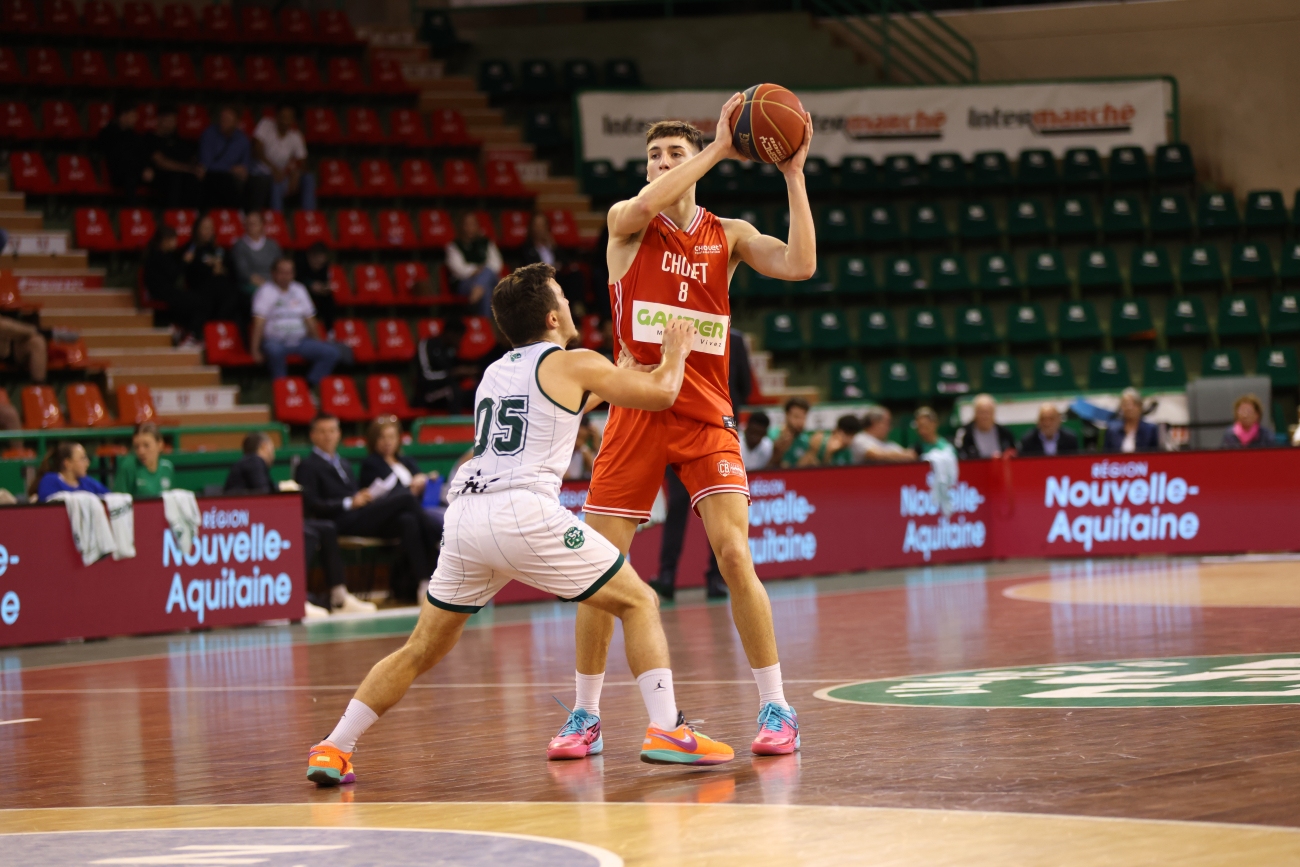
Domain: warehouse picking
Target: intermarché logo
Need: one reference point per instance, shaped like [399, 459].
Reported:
[1194, 681]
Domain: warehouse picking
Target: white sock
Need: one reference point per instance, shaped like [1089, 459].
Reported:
[588, 694]
[353, 724]
[769, 685]
[657, 693]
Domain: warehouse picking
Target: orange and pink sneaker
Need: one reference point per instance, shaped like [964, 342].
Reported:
[327, 765]
[683, 746]
[778, 731]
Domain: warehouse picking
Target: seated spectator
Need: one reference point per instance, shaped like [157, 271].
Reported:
[225, 159]
[755, 445]
[1247, 431]
[833, 448]
[792, 443]
[927, 432]
[474, 262]
[254, 254]
[983, 437]
[175, 163]
[25, 346]
[584, 451]
[1128, 433]
[65, 468]
[313, 269]
[280, 153]
[161, 275]
[329, 491]
[439, 373]
[1049, 438]
[208, 277]
[872, 444]
[126, 152]
[284, 324]
[251, 474]
[541, 247]
[145, 473]
[384, 440]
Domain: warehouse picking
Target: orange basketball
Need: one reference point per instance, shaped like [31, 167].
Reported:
[768, 126]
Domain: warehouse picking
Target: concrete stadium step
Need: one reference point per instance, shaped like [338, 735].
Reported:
[553, 186]
[459, 100]
[452, 84]
[379, 36]
[249, 413]
[482, 116]
[589, 221]
[4, 183]
[13, 202]
[217, 398]
[496, 134]
[421, 72]
[71, 260]
[126, 338]
[26, 221]
[148, 356]
[564, 202]
[78, 319]
[98, 299]
[164, 377]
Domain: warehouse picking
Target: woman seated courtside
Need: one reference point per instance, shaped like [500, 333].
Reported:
[65, 468]
[384, 440]
[145, 472]
[1247, 430]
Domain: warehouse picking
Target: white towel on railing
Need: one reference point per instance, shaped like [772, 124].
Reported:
[182, 512]
[121, 517]
[942, 477]
[91, 532]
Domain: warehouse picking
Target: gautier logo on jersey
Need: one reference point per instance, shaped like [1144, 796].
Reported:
[1106, 498]
[649, 319]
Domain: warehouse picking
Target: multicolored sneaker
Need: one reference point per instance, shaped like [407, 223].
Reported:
[683, 746]
[778, 731]
[579, 738]
[327, 765]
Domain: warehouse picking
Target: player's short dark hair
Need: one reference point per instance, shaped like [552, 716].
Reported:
[797, 403]
[675, 129]
[759, 419]
[253, 442]
[849, 424]
[521, 302]
[321, 417]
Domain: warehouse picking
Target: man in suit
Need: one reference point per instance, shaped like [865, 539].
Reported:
[329, 491]
[1049, 438]
[1128, 433]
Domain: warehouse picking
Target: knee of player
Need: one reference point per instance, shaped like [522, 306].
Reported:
[732, 554]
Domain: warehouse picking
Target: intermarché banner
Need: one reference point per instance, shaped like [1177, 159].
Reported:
[879, 122]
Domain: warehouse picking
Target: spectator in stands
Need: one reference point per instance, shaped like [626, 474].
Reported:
[1247, 430]
[126, 152]
[284, 324]
[161, 275]
[792, 443]
[755, 445]
[984, 437]
[384, 440]
[313, 270]
[832, 448]
[927, 431]
[439, 372]
[1127, 432]
[65, 468]
[329, 491]
[207, 275]
[585, 448]
[475, 264]
[872, 444]
[254, 255]
[145, 473]
[225, 159]
[24, 345]
[175, 163]
[280, 154]
[1049, 438]
[541, 247]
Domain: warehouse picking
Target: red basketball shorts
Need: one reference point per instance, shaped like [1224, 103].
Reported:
[639, 446]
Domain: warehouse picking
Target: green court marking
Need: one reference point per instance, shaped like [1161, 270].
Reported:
[1190, 681]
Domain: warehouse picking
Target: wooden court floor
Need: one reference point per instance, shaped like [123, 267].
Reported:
[1177, 742]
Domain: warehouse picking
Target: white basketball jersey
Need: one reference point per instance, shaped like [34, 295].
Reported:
[522, 438]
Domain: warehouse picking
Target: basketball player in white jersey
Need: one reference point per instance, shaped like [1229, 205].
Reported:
[505, 520]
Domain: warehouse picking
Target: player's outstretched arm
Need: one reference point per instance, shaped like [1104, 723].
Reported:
[575, 373]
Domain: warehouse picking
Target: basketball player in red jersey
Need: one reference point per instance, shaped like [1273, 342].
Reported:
[669, 258]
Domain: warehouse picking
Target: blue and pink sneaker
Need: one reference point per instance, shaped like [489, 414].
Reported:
[778, 731]
[579, 738]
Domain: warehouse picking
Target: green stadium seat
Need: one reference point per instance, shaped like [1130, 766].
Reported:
[997, 273]
[1251, 263]
[1128, 167]
[782, 229]
[926, 222]
[578, 75]
[1278, 363]
[1265, 211]
[1081, 167]
[949, 376]
[1239, 317]
[1053, 373]
[926, 328]
[948, 273]
[495, 78]
[876, 329]
[1163, 370]
[1026, 219]
[1199, 265]
[978, 221]
[903, 276]
[946, 171]
[974, 326]
[756, 217]
[900, 172]
[1149, 269]
[1000, 374]
[1289, 268]
[1222, 362]
[817, 175]
[764, 179]
[857, 174]
[622, 73]
[601, 180]
[727, 177]
[990, 170]
[881, 224]
[856, 275]
[898, 381]
[740, 288]
[1109, 371]
[1284, 313]
[782, 332]
[634, 177]
[542, 129]
[1036, 168]
[1098, 269]
[849, 381]
[537, 78]
[1170, 214]
[1217, 212]
[1075, 217]
[1174, 164]
[1076, 322]
[814, 286]
[1185, 319]
[763, 286]
[1121, 217]
[1027, 325]
[1045, 270]
[1130, 319]
[830, 332]
[837, 224]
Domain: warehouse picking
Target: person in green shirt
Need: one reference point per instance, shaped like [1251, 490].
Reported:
[791, 444]
[145, 473]
[927, 432]
[832, 448]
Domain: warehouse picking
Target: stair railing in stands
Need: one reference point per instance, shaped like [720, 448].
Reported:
[911, 43]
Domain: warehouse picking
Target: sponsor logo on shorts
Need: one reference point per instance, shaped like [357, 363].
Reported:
[730, 468]
[574, 538]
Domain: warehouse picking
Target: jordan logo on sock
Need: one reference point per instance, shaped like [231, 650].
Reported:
[659, 685]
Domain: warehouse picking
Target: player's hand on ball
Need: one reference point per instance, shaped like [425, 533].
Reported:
[794, 165]
[678, 336]
[722, 137]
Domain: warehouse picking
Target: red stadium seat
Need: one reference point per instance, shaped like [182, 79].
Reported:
[98, 115]
[247, 122]
[460, 178]
[223, 345]
[61, 17]
[487, 224]
[418, 178]
[514, 229]
[277, 230]
[393, 340]
[261, 74]
[503, 180]
[591, 333]
[339, 287]
[428, 328]
[310, 227]
[59, 120]
[353, 334]
[132, 69]
[387, 398]
[93, 230]
[89, 69]
[45, 68]
[407, 276]
[219, 69]
[181, 221]
[135, 404]
[41, 408]
[563, 228]
[19, 16]
[10, 71]
[345, 76]
[256, 24]
[219, 23]
[100, 18]
[339, 397]
[395, 230]
[177, 71]
[386, 77]
[179, 22]
[140, 20]
[321, 126]
[86, 407]
[478, 340]
[28, 173]
[335, 178]
[377, 179]
[135, 228]
[192, 120]
[16, 122]
[363, 127]
[76, 176]
[229, 225]
[147, 120]
[296, 27]
[301, 74]
[355, 231]
[333, 26]
[406, 127]
[293, 400]
[435, 228]
[449, 129]
[371, 285]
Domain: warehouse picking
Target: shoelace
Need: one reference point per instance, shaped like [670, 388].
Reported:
[773, 716]
[579, 720]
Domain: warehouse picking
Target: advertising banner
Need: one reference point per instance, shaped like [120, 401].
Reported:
[245, 566]
[879, 122]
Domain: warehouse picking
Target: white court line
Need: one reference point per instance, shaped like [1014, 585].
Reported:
[10, 722]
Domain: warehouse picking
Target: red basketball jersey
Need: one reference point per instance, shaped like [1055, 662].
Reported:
[681, 273]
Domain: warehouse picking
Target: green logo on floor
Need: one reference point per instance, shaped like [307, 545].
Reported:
[1193, 681]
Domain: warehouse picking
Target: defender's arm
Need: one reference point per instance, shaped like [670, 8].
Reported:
[572, 374]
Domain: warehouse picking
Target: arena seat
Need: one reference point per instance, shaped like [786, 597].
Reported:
[371, 285]
[783, 332]
[386, 77]
[479, 339]
[1284, 313]
[277, 229]
[147, 117]
[336, 178]
[44, 67]
[1000, 374]
[435, 228]
[429, 328]
[1174, 164]
[406, 127]
[1027, 325]
[564, 228]
[876, 329]
[179, 22]
[98, 115]
[363, 127]
[89, 69]
[354, 334]
[100, 18]
[1076, 322]
[1045, 270]
[41, 408]
[377, 179]
[356, 231]
[903, 276]
[1222, 362]
[10, 71]
[1130, 320]
[1217, 212]
[503, 180]
[855, 275]
[881, 225]
[135, 227]
[77, 177]
[223, 345]
[261, 74]
[1026, 219]
[948, 274]
[1278, 363]
[460, 178]
[949, 376]
[16, 122]
[19, 16]
[140, 19]
[395, 230]
[219, 23]
[1036, 169]
[514, 229]
[1121, 217]
[1098, 269]
[1163, 370]
[191, 121]
[449, 129]
[1199, 265]
[1239, 317]
[393, 341]
[345, 76]
[219, 69]
[176, 70]
[1265, 211]
[1185, 319]
[339, 397]
[86, 407]
[1251, 263]
[977, 221]
[849, 381]
[830, 331]
[310, 227]
[406, 276]
[927, 327]
[579, 74]
[296, 26]
[59, 121]
[388, 398]
[898, 381]
[1108, 371]
[1054, 373]
[1149, 269]
[837, 224]
[229, 225]
[1075, 217]
[973, 326]
[292, 400]
[333, 25]
[93, 230]
[1081, 167]
[418, 178]
[1127, 166]
[495, 78]
[256, 24]
[301, 74]
[339, 287]
[990, 170]
[622, 73]
[321, 126]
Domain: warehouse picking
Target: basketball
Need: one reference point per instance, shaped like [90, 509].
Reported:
[769, 126]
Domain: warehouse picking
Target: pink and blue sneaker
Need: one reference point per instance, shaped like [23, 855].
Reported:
[778, 731]
[579, 738]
